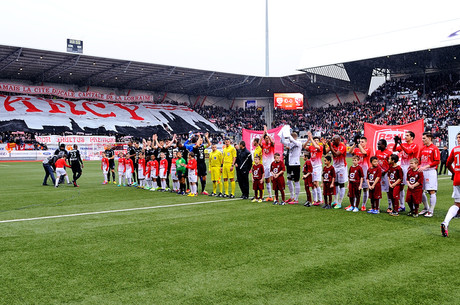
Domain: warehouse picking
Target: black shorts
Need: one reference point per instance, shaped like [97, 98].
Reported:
[76, 168]
[202, 171]
[111, 164]
[293, 172]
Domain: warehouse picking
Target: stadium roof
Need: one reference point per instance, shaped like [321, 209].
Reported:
[39, 66]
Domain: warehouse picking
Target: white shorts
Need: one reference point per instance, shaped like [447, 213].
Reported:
[192, 177]
[128, 175]
[316, 174]
[405, 169]
[365, 183]
[341, 175]
[140, 173]
[267, 171]
[121, 174]
[162, 170]
[105, 172]
[456, 193]
[430, 180]
[385, 184]
[62, 172]
[173, 175]
[163, 176]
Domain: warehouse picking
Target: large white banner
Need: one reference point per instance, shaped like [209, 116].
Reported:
[38, 112]
[68, 94]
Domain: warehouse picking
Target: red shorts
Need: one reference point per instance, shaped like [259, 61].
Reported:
[353, 190]
[414, 196]
[278, 183]
[328, 189]
[258, 185]
[376, 193]
[394, 192]
[308, 181]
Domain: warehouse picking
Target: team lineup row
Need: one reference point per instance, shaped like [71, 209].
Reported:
[384, 171]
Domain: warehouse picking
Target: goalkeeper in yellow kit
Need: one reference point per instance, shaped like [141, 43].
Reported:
[228, 167]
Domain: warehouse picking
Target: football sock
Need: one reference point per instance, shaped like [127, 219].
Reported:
[214, 187]
[390, 202]
[105, 177]
[108, 177]
[291, 188]
[314, 194]
[203, 184]
[113, 176]
[451, 213]
[337, 193]
[226, 187]
[57, 181]
[325, 199]
[67, 178]
[308, 194]
[377, 204]
[155, 185]
[269, 189]
[318, 193]
[119, 179]
[282, 195]
[233, 184]
[297, 190]
[342, 194]
[411, 206]
[416, 205]
[365, 197]
[129, 181]
[221, 186]
[432, 202]
[426, 205]
[276, 195]
[402, 197]
[163, 184]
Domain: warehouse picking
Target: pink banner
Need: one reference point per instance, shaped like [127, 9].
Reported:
[68, 94]
[249, 135]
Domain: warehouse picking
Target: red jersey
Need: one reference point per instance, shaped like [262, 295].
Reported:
[364, 159]
[355, 173]
[409, 152]
[141, 164]
[277, 167]
[173, 165]
[191, 165]
[414, 177]
[395, 173]
[164, 166]
[152, 168]
[383, 157]
[453, 164]
[104, 164]
[121, 165]
[328, 174]
[129, 165]
[372, 174]
[308, 167]
[315, 156]
[430, 155]
[257, 171]
[268, 153]
[340, 161]
[60, 163]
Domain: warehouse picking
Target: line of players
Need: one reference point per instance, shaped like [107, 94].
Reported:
[152, 166]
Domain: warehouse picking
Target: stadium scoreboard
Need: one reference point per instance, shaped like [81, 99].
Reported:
[289, 101]
[75, 46]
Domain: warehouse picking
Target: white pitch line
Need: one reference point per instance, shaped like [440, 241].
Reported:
[114, 211]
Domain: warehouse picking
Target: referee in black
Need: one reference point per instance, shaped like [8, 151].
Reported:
[243, 165]
[76, 163]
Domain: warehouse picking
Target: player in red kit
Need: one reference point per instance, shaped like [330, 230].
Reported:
[277, 170]
[316, 155]
[414, 184]
[163, 171]
[395, 176]
[453, 164]
[360, 149]
[121, 169]
[339, 154]
[141, 170]
[268, 153]
[355, 184]
[61, 164]
[429, 159]
[374, 177]
[105, 167]
[192, 167]
[328, 182]
[383, 154]
[408, 150]
[257, 179]
[307, 177]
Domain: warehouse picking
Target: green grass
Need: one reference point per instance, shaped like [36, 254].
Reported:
[224, 252]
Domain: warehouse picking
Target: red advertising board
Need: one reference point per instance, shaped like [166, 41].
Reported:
[290, 101]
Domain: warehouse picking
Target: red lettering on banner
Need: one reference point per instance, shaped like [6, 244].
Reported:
[55, 106]
[132, 112]
[25, 100]
[99, 105]
[167, 107]
[73, 108]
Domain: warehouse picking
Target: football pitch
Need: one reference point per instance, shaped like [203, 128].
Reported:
[103, 244]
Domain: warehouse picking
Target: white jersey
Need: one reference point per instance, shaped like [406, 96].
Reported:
[295, 148]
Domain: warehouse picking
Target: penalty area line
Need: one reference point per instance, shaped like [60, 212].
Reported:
[114, 211]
